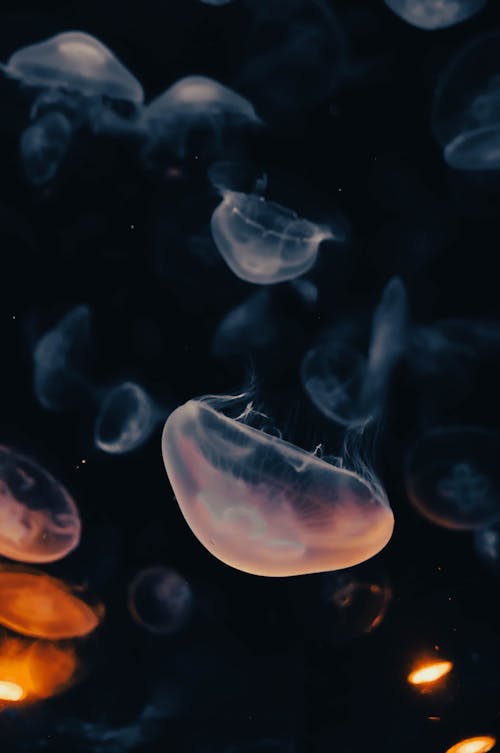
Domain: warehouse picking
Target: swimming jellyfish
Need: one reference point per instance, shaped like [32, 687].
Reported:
[345, 385]
[487, 546]
[39, 521]
[127, 417]
[466, 107]
[263, 505]
[452, 477]
[263, 242]
[160, 600]
[435, 14]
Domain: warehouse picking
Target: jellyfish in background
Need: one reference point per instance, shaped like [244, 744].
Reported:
[39, 521]
[216, 2]
[34, 604]
[263, 242]
[80, 81]
[343, 384]
[435, 14]
[160, 600]
[127, 418]
[263, 505]
[487, 546]
[452, 477]
[466, 107]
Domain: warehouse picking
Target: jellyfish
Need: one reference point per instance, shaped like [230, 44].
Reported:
[37, 605]
[480, 744]
[263, 505]
[216, 2]
[435, 14]
[487, 546]
[452, 477]
[39, 521]
[429, 673]
[160, 600]
[126, 419]
[345, 385]
[263, 242]
[43, 147]
[466, 107]
[57, 358]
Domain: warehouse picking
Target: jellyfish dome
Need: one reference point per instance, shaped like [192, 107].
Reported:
[453, 479]
[435, 14]
[126, 419]
[39, 521]
[78, 61]
[263, 505]
[263, 242]
[466, 107]
[160, 600]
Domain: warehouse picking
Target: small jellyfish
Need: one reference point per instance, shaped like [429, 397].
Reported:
[435, 14]
[35, 604]
[43, 147]
[430, 673]
[452, 477]
[466, 107]
[263, 505]
[216, 2]
[126, 419]
[160, 600]
[57, 361]
[487, 546]
[39, 521]
[481, 744]
[263, 242]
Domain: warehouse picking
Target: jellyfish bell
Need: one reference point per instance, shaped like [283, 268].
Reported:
[43, 146]
[39, 521]
[127, 418]
[435, 14]
[452, 477]
[263, 505]
[481, 744]
[160, 600]
[429, 673]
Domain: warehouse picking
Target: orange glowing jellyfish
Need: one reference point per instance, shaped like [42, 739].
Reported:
[39, 521]
[37, 605]
[481, 744]
[430, 672]
[263, 505]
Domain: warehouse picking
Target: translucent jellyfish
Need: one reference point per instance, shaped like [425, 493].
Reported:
[435, 14]
[429, 673]
[160, 600]
[481, 744]
[487, 546]
[43, 147]
[58, 361]
[263, 505]
[126, 419]
[453, 479]
[39, 521]
[32, 603]
[466, 108]
[263, 242]
[345, 385]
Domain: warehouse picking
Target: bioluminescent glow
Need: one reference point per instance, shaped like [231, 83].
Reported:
[435, 14]
[430, 672]
[10, 691]
[127, 417]
[160, 600]
[482, 744]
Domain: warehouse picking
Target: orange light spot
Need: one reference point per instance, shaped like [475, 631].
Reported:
[429, 673]
[473, 745]
[10, 691]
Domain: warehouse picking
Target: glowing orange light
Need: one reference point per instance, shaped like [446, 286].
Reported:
[429, 673]
[10, 691]
[473, 745]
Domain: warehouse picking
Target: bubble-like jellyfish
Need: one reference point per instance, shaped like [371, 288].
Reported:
[453, 478]
[435, 14]
[466, 107]
[39, 521]
[341, 381]
[263, 505]
[263, 242]
[58, 361]
[487, 546]
[127, 418]
[35, 604]
[160, 600]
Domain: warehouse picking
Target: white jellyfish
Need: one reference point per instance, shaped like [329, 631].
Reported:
[126, 419]
[435, 14]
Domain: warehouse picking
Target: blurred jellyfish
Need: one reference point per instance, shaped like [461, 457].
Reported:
[435, 14]
[126, 419]
[43, 147]
[249, 326]
[466, 108]
[487, 546]
[34, 604]
[263, 505]
[429, 673]
[39, 521]
[160, 600]
[453, 479]
[216, 2]
[343, 384]
[58, 355]
[481, 744]
[263, 242]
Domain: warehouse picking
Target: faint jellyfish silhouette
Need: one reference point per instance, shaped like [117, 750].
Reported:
[487, 546]
[35, 604]
[249, 326]
[43, 147]
[466, 107]
[39, 521]
[127, 418]
[57, 361]
[160, 600]
[435, 14]
[345, 385]
[263, 505]
[216, 2]
[452, 477]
